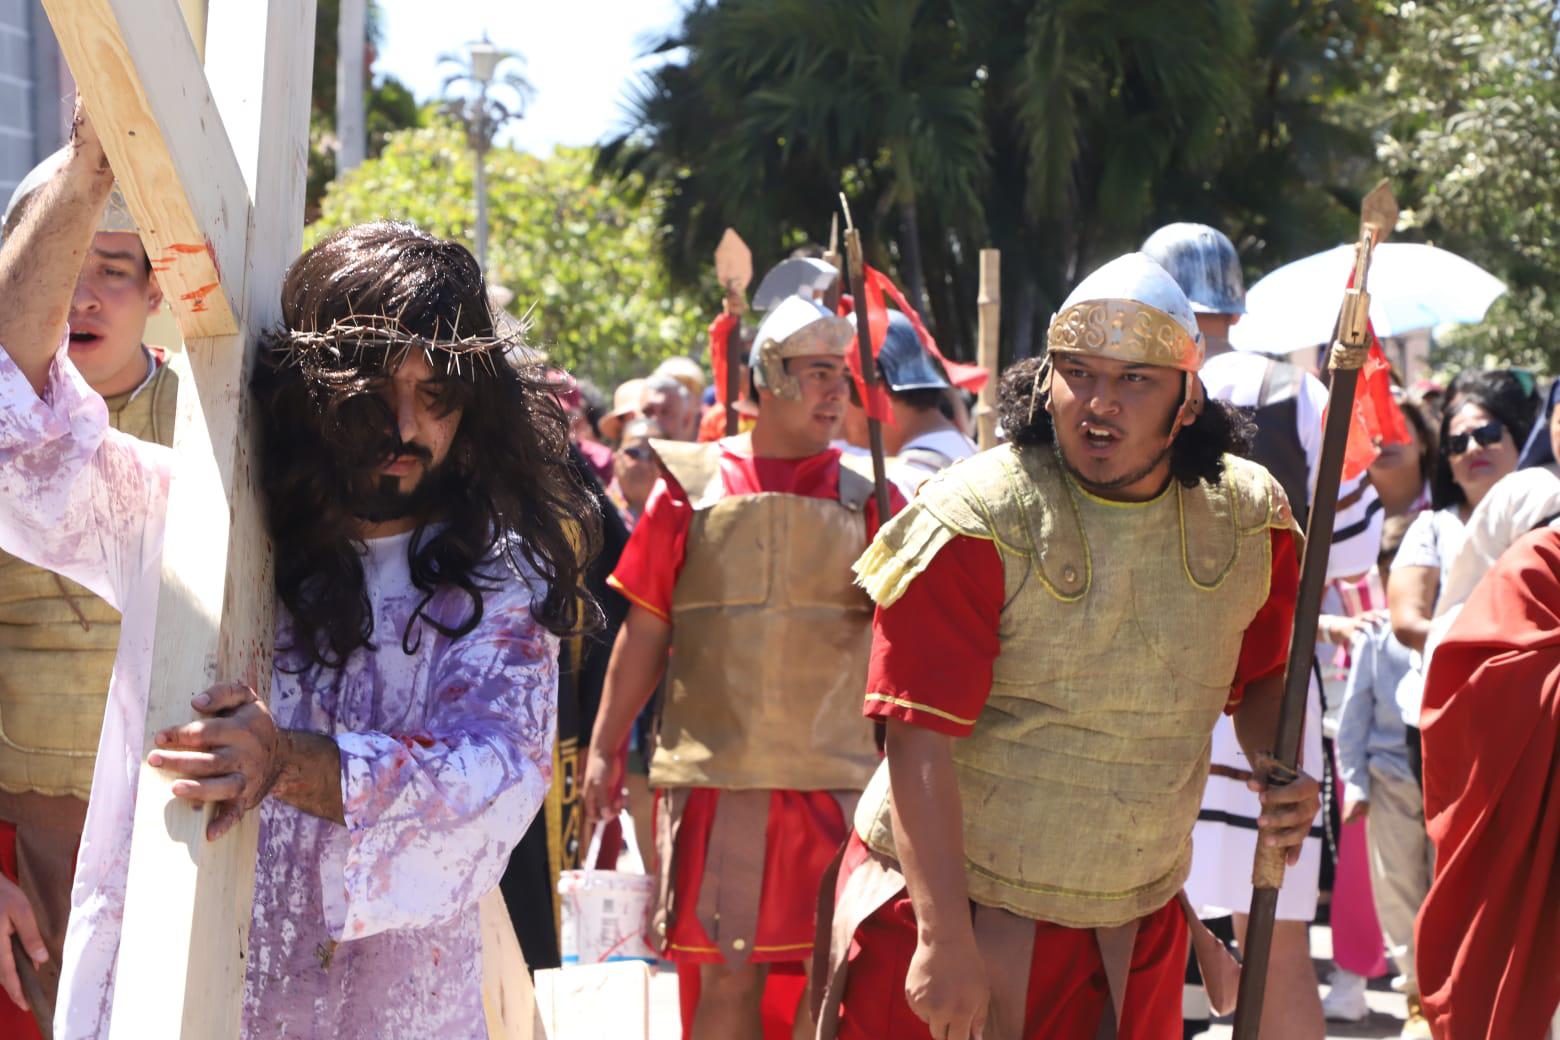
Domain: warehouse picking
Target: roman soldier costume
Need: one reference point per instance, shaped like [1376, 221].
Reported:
[762, 749]
[1081, 651]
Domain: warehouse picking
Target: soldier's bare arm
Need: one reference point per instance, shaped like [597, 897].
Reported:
[1288, 811]
[946, 985]
[638, 659]
[42, 256]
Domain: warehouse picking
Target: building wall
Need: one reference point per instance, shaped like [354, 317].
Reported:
[34, 91]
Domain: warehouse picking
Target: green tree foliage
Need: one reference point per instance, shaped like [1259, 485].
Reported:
[579, 256]
[1040, 129]
[1471, 92]
[1060, 133]
[1287, 180]
[388, 104]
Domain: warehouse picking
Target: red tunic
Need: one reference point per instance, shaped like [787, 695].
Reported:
[15, 1024]
[932, 657]
[805, 828]
[1488, 936]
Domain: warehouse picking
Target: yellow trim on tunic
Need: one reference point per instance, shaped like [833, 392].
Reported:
[900, 702]
[613, 582]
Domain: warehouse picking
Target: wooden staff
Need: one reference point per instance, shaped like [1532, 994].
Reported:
[734, 268]
[869, 372]
[831, 299]
[989, 336]
[1378, 216]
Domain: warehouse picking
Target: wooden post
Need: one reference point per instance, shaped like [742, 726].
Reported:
[990, 342]
[212, 165]
[351, 44]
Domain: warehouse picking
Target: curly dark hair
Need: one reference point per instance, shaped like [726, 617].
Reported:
[505, 492]
[1498, 392]
[1197, 454]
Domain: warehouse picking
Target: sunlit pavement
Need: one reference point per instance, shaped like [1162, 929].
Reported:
[1387, 1009]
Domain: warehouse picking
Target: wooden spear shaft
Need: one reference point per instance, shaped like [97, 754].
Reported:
[1267, 872]
[989, 305]
[734, 268]
[869, 372]
[735, 356]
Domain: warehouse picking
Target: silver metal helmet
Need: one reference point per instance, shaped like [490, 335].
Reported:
[1202, 260]
[796, 327]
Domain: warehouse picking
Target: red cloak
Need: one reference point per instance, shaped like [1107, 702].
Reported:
[1489, 934]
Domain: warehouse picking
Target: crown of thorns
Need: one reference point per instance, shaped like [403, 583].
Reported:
[335, 353]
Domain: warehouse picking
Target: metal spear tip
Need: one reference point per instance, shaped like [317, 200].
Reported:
[733, 262]
[1379, 209]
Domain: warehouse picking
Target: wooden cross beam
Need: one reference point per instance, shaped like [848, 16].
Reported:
[212, 164]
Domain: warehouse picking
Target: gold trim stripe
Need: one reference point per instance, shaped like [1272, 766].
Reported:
[613, 582]
[900, 702]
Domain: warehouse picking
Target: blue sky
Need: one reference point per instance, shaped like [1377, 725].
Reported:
[579, 55]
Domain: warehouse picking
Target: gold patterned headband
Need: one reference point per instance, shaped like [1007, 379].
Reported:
[1125, 330]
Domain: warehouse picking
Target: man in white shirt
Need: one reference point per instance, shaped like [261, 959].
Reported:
[1288, 405]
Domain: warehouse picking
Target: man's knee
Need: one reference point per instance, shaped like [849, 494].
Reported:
[730, 982]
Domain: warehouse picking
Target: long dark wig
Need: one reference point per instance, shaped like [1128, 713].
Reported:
[1197, 453]
[505, 492]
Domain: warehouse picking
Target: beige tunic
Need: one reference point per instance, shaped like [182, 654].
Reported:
[1120, 636]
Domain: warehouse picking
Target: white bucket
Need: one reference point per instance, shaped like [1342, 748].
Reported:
[604, 913]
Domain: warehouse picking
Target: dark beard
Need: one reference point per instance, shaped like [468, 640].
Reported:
[379, 499]
[1096, 487]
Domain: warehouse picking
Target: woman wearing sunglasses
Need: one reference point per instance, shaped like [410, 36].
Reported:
[1488, 416]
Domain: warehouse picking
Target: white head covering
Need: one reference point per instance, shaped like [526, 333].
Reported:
[116, 215]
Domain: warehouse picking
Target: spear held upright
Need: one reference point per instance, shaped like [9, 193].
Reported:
[734, 268]
[1378, 216]
[869, 369]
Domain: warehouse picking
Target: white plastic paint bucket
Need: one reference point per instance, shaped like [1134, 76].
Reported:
[604, 913]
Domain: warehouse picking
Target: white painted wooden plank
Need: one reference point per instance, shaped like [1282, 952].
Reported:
[135, 64]
[214, 620]
[591, 1000]
[508, 999]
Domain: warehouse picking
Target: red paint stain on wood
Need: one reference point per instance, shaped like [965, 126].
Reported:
[197, 297]
[182, 249]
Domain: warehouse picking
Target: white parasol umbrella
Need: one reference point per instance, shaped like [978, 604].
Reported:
[1412, 287]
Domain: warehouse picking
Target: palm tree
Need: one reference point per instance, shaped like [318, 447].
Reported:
[1060, 131]
[871, 96]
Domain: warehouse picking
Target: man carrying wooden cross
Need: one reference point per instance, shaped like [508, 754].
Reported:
[1060, 622]
[418, 501]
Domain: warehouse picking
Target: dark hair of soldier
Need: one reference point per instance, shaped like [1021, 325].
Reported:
[1197, 453]
[504, 492]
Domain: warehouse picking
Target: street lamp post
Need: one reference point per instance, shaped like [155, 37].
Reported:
[483, 113]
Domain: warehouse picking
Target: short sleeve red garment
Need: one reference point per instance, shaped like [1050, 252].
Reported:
[647, 572]
[933, 650]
